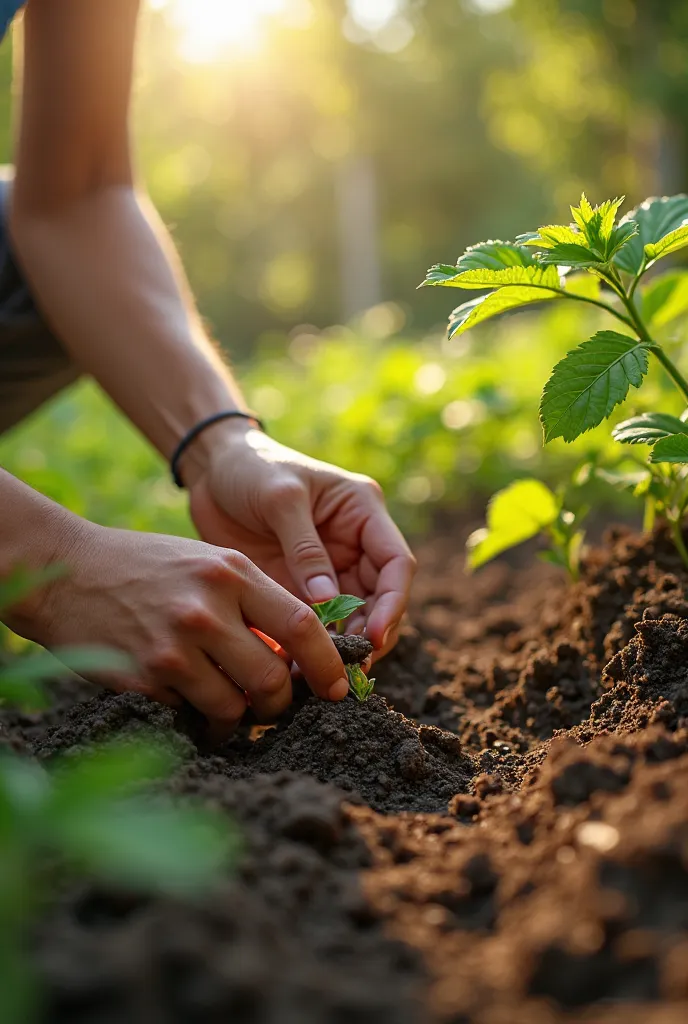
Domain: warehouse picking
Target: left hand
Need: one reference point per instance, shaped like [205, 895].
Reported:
[313, 528]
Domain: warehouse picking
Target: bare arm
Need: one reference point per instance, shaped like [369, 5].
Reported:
[97, 256]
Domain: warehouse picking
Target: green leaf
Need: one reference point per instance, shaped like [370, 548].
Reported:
[22, 582]
[147, 844]
[589, 382]
[665, 299]
[359, 684]
[585, 284]
[624, 481]
[514, 515]
[20, 681]
[648, 428]
[484, 256]
[672, 242]
[113, 771]
[475, 311]
[338, 609]
[486, 278]
[671, 449]
[656, 218]
[554, 234]
[578, 257]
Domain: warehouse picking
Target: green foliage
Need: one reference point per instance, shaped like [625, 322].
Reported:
[664, 299]
[21, 680]
[359, 684]
[648, 428]
[93, 813]
[589, 382]
[673, 449]
[520, 512]
[661, 229]
[594, 378]
[338, 609]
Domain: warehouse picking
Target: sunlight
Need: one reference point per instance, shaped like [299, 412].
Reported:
[211, 28]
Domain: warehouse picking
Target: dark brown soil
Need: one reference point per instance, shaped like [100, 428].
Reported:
[500, 836]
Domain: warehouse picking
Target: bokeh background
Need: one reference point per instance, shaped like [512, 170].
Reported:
[312, 158]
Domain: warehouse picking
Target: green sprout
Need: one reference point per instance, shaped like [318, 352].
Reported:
[521, 511]
[335, 613]
[601, 262]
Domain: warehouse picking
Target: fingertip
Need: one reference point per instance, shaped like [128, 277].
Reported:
[338, 690]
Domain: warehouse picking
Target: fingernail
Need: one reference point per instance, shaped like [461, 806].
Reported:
[321, 588]
[338, 690]
[386, 637]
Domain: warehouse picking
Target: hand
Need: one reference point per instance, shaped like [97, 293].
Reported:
[183, 610]
[315, 529]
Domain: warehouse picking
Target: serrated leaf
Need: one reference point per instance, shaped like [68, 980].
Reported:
[514, 515]
[337, 609]
[589, 382]
[494, 255]
[672, 242]
[578, 257]
[556, 234]
[648, 428]
[508, 276]
[656, 218]
[475, 311]
[665, 298]
[671, 449]
[582, 214]
[623, 481]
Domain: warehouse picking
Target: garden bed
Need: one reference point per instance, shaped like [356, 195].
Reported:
[499, 836]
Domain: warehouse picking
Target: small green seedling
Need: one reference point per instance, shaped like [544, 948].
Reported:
[602, 262]
[338, 610]
[521, 511]
[335, 613]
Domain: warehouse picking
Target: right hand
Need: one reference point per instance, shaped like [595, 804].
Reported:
[183, 610]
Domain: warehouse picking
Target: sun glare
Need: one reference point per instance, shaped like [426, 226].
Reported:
[210, 29]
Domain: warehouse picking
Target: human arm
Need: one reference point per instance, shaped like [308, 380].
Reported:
[181, 609]
[106, 275]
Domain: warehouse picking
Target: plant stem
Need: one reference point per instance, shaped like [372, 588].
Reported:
[595, 302]
[677, 377]
[679, 541]
[642, 332]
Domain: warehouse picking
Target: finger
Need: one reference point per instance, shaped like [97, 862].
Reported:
[304, 552]
[254, 666]
[299, 631]
[388, 551]
[211, 692]
[272, 644]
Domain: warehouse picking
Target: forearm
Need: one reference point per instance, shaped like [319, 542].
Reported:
[34, 533]
[106, 275]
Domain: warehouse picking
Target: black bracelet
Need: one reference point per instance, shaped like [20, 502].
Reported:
[228, 414]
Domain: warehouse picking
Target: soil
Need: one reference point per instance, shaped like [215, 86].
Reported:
[498, 836]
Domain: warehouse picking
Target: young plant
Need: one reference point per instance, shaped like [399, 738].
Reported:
[602, 262]
[354, 650]
[521, 511]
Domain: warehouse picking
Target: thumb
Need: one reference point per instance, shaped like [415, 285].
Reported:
[307, 560]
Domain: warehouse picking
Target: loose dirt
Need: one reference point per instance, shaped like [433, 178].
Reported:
[498, 836]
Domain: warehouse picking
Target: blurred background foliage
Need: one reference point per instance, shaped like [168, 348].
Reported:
[312, 158]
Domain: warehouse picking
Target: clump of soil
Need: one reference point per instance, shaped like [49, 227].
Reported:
[366, 749]
[499, 837]
[353, 649]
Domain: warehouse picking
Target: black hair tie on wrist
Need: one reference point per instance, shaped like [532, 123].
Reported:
[228, 414]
